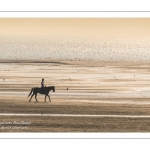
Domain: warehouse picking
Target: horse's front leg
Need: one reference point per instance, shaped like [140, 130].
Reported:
[45, 98]
[31, 97]
[35, 97]
[49, 98]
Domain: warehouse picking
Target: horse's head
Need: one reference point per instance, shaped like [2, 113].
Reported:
[53, 88]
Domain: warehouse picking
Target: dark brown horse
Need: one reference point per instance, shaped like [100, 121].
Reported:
[44, 90]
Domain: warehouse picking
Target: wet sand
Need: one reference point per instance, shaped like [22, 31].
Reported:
[82, 87]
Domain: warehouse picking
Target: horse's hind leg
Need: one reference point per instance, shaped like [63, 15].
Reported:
[31, 97]
[35, 97]
[49, 98]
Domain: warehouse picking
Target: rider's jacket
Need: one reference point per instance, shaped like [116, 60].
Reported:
[42, 84]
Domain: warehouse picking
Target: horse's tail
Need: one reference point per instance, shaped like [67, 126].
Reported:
[30, 92]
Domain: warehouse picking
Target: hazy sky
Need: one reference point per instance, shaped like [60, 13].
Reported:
[135, 27]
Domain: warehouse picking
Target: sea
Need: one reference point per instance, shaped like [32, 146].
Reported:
[75, 48]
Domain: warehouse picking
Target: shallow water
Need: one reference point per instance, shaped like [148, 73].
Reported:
[107, 49]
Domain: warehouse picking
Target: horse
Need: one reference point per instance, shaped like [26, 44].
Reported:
[44, 90]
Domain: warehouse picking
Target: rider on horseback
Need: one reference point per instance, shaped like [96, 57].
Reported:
[42, 83]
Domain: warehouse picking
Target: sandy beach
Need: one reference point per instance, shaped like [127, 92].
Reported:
[83, 87]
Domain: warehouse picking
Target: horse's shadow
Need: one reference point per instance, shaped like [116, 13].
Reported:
[39, 102]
